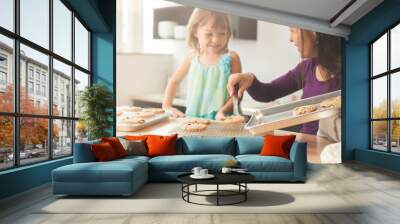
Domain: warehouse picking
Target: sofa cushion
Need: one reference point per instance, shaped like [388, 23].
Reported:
[83, 152]
[103, 152]
[134, 147]
[185, 163]
[257, 163]
[249, 145]
[116, 145]
[277, 145]
[161, 145]
[195, 145]
[112, 171]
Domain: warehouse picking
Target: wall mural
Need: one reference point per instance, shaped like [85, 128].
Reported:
[201, 72]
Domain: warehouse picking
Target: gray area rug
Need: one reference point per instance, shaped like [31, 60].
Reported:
[166, 198]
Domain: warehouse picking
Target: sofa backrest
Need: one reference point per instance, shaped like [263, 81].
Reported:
[194, 145]
[83, 152]
[249, 145]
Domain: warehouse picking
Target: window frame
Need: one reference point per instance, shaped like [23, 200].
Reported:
[16, 115]
[388, 74]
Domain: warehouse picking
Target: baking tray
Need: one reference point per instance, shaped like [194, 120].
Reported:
[269, 119]
[148, 122]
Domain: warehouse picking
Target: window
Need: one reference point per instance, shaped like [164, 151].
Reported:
[37, 74]
[81, 45]
[30, 88]
[30, 72]
[385, 96]
[34, 21]
[62, 29]
[38, 89]
[3, 72]
[45, 131]
[44, 91]
[3, 61]
[7, 14]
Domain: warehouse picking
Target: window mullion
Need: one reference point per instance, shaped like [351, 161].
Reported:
[16, 84]
[50, 81]
[73, 82]
[389, 106]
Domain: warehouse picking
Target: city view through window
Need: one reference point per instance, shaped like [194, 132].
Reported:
[31, 130]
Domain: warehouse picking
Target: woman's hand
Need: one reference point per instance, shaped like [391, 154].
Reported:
[174, 111]
[242, 80]
[220, 116]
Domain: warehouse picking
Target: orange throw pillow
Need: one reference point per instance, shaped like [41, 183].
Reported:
[116, 145]
[103, 152]
[161, 145]
[277, 145]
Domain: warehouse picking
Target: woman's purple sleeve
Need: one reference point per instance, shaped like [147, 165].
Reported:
[280, 87]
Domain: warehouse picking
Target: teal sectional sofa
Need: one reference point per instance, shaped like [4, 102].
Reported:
[125, 176]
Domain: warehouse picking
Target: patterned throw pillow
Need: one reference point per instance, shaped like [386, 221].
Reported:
[134, 147]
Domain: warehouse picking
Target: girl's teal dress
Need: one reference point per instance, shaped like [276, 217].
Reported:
[206, 89]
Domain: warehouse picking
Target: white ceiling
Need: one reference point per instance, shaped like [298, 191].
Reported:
[319, 9]
[309, 14]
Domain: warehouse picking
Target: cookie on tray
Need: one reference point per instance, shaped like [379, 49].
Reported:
[144, 114]
[304, 110]
[234, 119]
[133, 120]
[194, 127]
[335, 102]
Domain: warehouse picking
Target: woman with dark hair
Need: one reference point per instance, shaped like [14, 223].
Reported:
[318, 73]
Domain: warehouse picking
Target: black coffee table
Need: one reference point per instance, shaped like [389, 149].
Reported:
[238, 179]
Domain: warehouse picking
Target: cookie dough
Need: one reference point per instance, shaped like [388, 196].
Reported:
[199, 121]
[194, 127]
[133, 109]
[304, 110]
[234, 119]
[154, 110]
[335, 102]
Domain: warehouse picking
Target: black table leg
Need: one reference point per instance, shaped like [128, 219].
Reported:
[217, 194]
[196, 187]
[245, 193]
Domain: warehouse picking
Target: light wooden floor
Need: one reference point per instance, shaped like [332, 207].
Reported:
[379, 189]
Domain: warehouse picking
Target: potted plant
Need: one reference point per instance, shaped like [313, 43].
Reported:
[96, 103]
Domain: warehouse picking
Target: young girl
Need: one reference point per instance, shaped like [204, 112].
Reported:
[208, 67]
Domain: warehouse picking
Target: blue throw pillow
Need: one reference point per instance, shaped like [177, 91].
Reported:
[249, 145]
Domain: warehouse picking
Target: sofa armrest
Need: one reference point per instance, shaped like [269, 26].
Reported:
[83, 152]
[298, 155]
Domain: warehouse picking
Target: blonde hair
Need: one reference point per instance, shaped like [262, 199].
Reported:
[199, 18]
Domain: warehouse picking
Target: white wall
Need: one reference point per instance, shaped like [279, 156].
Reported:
[141, 74]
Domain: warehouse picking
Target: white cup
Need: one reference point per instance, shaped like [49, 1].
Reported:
[226, 170]
[196, 171]
[203, 172]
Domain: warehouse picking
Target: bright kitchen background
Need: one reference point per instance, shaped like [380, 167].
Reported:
[144, 63]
